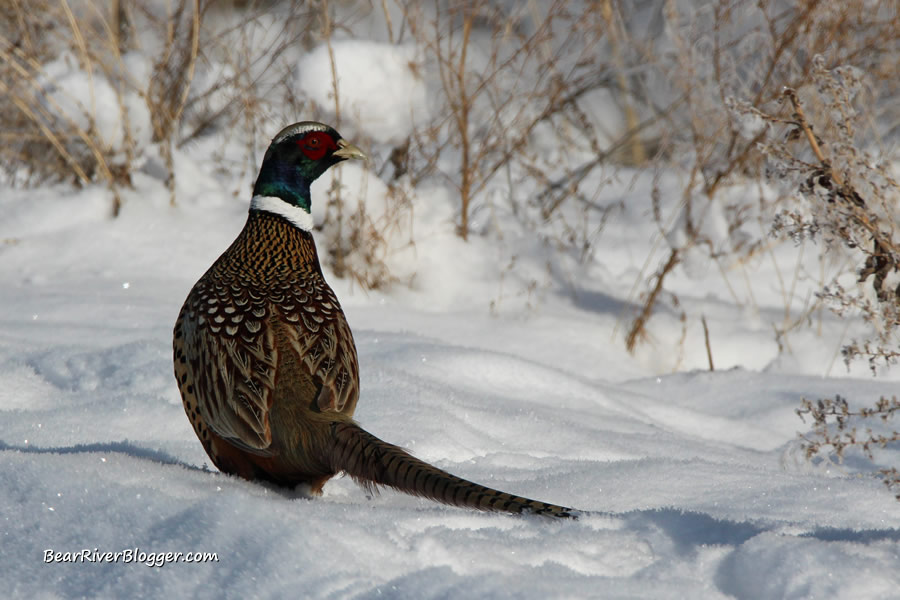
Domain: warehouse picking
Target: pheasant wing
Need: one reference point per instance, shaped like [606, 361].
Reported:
[230, 359]
[318, 334]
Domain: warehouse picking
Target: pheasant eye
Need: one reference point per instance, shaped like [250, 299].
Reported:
[316, 144]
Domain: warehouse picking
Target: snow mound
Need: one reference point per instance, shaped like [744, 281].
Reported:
[91, 103]
[378, 86]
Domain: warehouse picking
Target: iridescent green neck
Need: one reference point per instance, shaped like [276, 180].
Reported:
[286, 181]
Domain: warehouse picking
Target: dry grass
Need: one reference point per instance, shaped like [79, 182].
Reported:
[838, 430]
[728, 52]
[505, 74]
[56, 133]
[39, 131]
[503, 71]
[843, 196]
[53, 130]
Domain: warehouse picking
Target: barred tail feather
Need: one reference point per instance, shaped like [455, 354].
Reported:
[373, 462]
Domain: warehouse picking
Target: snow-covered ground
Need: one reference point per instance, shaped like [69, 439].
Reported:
[693, 482]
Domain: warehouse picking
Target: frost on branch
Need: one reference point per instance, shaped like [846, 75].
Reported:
[835, 430]
[843, 196]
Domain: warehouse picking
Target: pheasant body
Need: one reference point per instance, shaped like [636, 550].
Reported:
[265, 360]
[260, 331]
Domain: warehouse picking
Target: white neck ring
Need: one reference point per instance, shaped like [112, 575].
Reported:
[296, 215]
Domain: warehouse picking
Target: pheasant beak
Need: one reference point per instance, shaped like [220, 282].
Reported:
[347, 150]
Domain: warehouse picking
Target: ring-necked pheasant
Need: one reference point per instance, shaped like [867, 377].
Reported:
[265, 360]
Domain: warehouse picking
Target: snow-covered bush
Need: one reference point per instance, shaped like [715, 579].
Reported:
[525, 111]
[841, 194]
[839, 428]
[81, 101]
[689, 61]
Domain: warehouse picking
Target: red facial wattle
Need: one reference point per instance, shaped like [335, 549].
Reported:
[316, 144]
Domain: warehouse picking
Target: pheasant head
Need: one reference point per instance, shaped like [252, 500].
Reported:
[297, 156]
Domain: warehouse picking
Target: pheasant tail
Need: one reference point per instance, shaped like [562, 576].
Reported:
[373, 462]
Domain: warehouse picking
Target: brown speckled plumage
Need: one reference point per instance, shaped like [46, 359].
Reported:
[268, 374]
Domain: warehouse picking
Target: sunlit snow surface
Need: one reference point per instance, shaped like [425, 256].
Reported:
[693, 483]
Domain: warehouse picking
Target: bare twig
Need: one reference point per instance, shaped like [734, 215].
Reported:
[637, 330]
[706, 341]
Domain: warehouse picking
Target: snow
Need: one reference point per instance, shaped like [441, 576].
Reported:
[693, 483]
[92, 102]
[378, 85]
